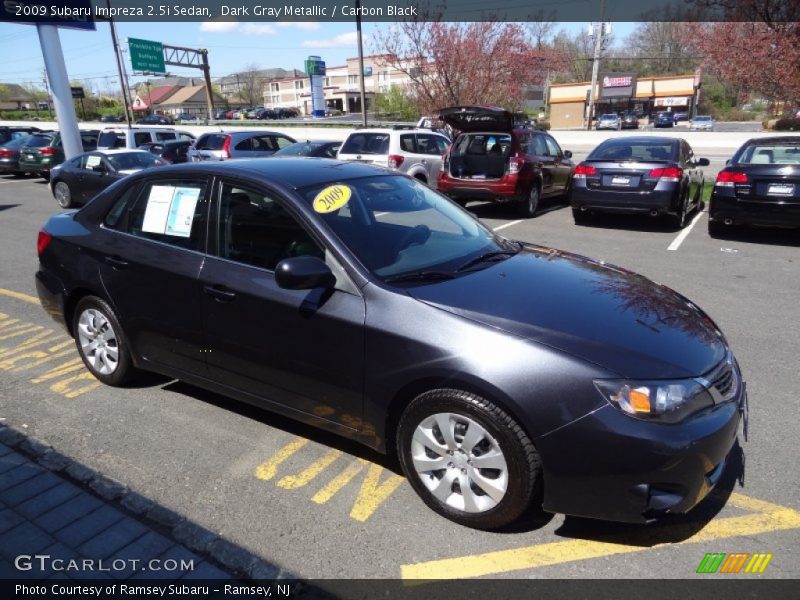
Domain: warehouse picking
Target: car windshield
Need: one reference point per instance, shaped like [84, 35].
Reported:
[212, 141]
[702, 118]
[772, 154]
[642, 151]
[397, 226]
[111, 139]
[298, 149]
[366, 143]
[607, 117]
[132, 160]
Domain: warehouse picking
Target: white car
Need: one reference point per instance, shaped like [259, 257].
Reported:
[702, 122]
[415, 152]
[122, 137]
[609, 121]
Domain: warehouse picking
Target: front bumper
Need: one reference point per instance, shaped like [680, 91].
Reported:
[753, 212]
[610, 466]
[664, 201]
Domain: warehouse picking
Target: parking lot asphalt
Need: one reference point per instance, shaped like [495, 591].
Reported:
[319, 506]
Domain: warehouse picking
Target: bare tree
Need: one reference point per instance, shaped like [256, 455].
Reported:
[659, 48]
[249, 85]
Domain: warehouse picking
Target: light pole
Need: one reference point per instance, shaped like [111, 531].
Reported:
[599, 30]
[361, 65]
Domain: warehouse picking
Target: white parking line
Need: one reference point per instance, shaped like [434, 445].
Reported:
[676, 243]
[504, 225]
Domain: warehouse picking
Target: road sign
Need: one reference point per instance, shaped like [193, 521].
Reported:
[77, 92]
[147, 55]
[314, 66]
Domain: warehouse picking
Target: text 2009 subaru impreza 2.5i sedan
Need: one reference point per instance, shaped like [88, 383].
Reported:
[506, 376]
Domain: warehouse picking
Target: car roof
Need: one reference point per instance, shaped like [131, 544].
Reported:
[292, 172]
[112, 151]
[391, 130]
[776, 140]
[642, 139]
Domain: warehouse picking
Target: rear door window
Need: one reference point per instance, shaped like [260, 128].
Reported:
[245, 145]
[538, 146]
[141, 137]
[163, 136]
[407, 143]
[171, 211]
[213, 141]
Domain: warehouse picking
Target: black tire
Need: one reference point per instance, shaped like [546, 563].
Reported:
[530, 205]
[63, 194]
[461, 202]
[679, 220]
[581, 217]
[124, 371]
[716, 229]
[524, 482]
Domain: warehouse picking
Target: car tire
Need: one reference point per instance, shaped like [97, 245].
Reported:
[716, 229]
[530, 205]
[63, 194]
[110, 360]
[581, 217]
[679, 220]
[498, 495]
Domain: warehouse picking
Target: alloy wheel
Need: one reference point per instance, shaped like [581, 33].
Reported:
[63, 195]
[98, 341]
[459, 462]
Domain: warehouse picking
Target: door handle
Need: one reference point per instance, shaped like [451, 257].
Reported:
[116, 262]
[219, 293]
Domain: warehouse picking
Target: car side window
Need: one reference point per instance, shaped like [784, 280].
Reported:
[245, 145]
[172, 211]
[163, 136]
[538, 146]
[264, 143]
[331, 151]
[140, 138]
[255, 229]
[282, 142]
[89, 162]
[407, 143]
[427, 144]
[552, 147]
[89, 141]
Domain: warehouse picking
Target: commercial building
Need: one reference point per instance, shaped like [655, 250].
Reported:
[341, 86]
[620, 92]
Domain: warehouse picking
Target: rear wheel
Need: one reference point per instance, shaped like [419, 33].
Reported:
[63, 195]
[101, 343]
[716, 229]
[679, 220]
[580, 217]
[531, 204]
[468, 459]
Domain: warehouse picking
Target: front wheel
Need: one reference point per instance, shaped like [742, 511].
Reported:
[101, 343]
[63, 195]
[468, 459]
[530, 205]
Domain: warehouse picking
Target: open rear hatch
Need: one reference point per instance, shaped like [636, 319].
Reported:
[465, 119]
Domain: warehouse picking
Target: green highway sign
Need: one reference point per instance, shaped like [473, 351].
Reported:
[146, 55]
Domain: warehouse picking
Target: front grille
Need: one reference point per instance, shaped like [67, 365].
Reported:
[726, 379]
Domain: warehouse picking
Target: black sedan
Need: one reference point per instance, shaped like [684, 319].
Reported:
[646, 175]
[156, 120]
[9, 155]
[78, 180]
[174, 152]
[760, 185]
[315, 148]
[630, 121]
[506, 376]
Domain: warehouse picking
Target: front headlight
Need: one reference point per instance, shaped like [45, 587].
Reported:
[666, 401]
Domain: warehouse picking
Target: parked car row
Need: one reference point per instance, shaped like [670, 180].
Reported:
[257, 113]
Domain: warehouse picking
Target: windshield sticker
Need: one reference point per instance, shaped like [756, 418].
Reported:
[332, 198]
[170, 210]
[92, 161]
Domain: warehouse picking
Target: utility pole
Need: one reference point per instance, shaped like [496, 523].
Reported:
[47, 91]
[599, 31]
[207, 76]
[361, 65]
[123, 83]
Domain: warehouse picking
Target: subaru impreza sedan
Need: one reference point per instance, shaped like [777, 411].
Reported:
[507, 377]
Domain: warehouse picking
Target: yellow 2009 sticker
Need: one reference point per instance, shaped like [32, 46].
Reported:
[332, 198]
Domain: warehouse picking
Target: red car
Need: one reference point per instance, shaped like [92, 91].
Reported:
[494, 158]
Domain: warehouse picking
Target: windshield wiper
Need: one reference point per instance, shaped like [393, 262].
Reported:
[488, 257]
[420, 276]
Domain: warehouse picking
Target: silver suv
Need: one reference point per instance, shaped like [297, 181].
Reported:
[122, 137]
[223, 145]
[415, 152]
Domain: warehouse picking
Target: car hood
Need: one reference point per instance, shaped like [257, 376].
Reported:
[603, 314]
[477, 118]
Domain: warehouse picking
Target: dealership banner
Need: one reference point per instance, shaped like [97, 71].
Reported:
[85, 11]
[617, 85]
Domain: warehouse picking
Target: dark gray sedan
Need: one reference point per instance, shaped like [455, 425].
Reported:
[224, 145]
[506, 377]
[656, 176]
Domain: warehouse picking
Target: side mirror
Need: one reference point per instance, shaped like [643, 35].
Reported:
[727, 162]
[304, 273]
[703, 162]
[567, 153]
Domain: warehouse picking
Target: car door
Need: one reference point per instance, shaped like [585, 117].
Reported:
[302, 349]
[691, 169]
[92, 175]
[546, 163]
[431, 147]
[151, 248]
[562, 166]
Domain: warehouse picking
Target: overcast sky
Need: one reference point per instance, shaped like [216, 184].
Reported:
[232, 46]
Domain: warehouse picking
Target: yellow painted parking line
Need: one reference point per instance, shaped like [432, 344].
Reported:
[768, 518]
[292, 482]
[19, 296]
